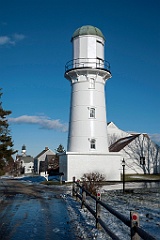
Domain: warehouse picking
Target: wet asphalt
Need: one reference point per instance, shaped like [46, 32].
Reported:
[33, 212]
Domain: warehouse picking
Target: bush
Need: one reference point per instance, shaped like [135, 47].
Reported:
[91, 181]
[2, 172]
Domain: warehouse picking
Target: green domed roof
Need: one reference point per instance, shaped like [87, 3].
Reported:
[88, 30]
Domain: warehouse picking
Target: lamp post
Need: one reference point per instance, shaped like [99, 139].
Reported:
[123, 165]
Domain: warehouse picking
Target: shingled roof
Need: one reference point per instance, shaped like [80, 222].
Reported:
[43, 152]
[121, 143]
[26, 159]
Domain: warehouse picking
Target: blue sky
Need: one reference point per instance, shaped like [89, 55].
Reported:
[35, 46]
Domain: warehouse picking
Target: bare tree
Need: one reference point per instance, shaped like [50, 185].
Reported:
[142, 147]
[156, 159]
[91, 181]
[112, 139]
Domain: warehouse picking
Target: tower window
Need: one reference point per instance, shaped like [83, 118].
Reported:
[92, 83]
[92, 113]
[93, 144]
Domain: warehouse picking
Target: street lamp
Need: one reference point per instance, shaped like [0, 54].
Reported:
[123, 165]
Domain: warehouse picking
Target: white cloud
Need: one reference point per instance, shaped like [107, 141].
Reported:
[18, 37]
[42, 121]
[4, 40]
[11, 40]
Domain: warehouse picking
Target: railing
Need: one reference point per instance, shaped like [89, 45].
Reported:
[80, 193]
[87, 63]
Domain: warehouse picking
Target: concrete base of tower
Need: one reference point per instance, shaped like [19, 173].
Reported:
[76, 164]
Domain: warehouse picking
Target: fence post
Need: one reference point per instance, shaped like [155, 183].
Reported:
[77, 189]
[98, 210]
[61, 179]
[74, 187]
[134, 218]
[83, 197]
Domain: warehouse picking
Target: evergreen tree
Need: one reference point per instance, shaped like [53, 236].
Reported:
[60, 149]
[6, 144]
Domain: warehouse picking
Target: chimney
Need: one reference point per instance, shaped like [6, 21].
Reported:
[46, 148]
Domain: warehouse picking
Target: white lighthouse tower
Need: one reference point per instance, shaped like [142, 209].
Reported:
[88, 73]
[87, 149]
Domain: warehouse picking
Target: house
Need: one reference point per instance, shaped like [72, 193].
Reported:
[40, 164]
[52, 163]
[140, 153]
[25, 163]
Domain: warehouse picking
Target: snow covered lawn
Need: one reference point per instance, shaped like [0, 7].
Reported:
[145, 201]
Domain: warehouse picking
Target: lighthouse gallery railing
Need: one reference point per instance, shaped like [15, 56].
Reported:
[87, 63]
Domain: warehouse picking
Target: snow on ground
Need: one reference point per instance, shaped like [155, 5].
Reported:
[145, 201]
[143, 198]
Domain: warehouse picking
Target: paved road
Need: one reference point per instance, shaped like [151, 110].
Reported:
[29, 212]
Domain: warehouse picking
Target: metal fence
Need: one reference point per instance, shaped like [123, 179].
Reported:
[87, 63]
[80, 193]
